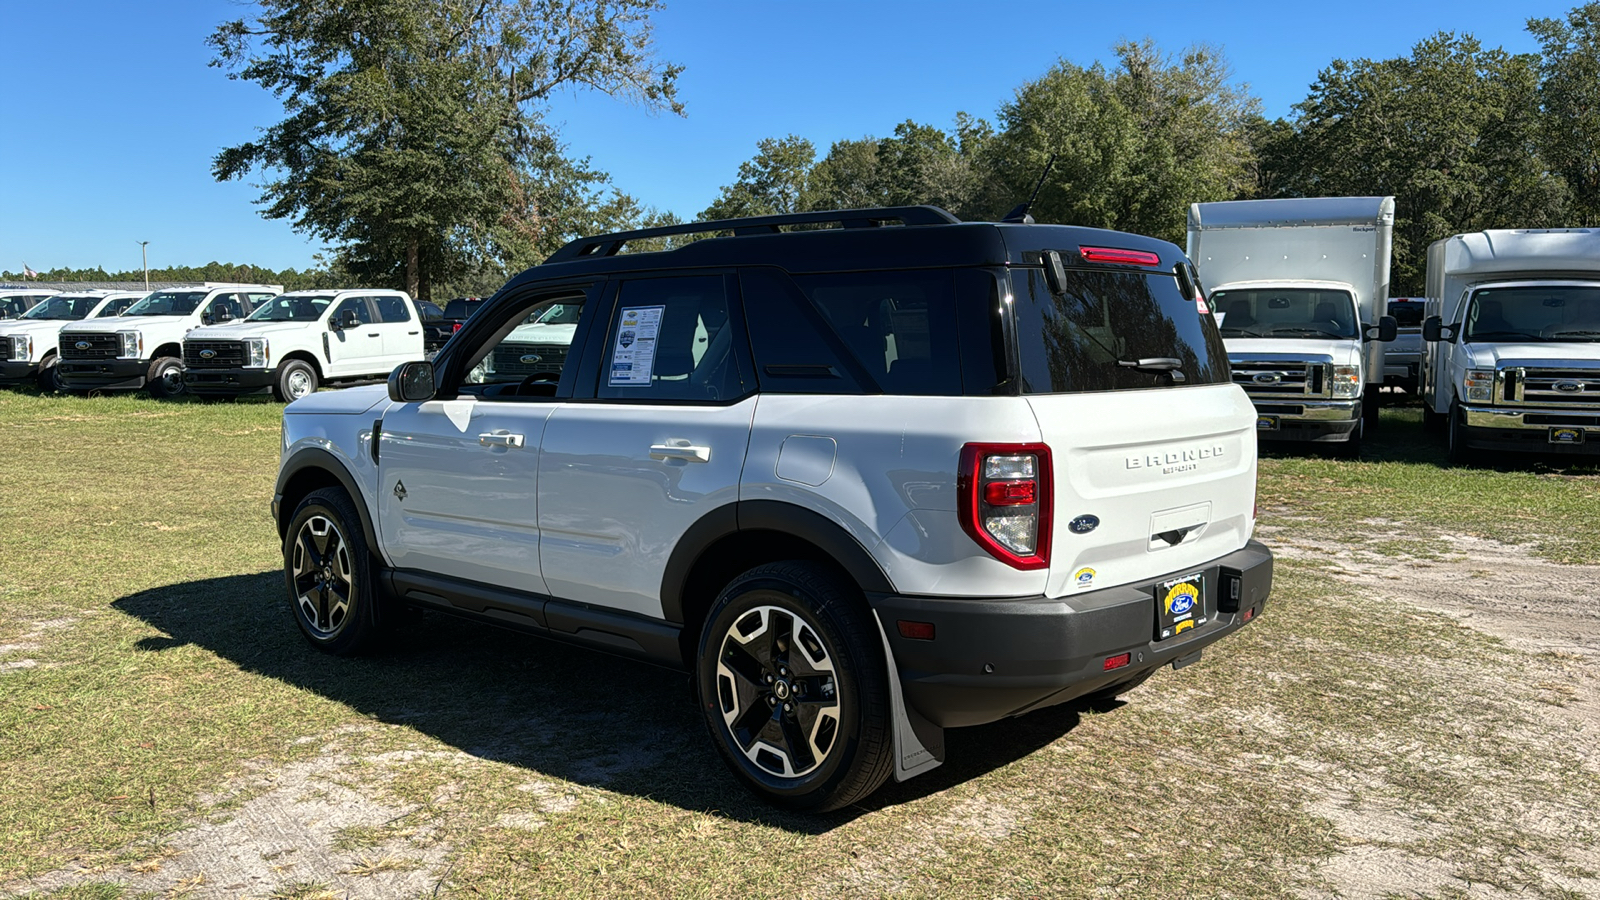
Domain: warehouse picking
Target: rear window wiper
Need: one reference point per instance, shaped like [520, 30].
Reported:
[1157, 365]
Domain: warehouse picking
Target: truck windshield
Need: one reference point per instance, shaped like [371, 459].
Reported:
[1286, 313]
[1556, 312]
[62, 309]
[285, 308]
[1113, 331]
[167, 303]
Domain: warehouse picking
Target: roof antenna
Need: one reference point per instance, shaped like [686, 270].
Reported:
[1020, 215]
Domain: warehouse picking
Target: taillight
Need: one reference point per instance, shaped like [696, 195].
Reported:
[1005, 501]
[455, 327]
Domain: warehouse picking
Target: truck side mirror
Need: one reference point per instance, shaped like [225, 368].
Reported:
[411, 382]
[1387, 329]
[346, 319]
[1433, 332]
[221, 316]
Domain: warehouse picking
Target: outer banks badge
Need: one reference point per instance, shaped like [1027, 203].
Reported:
[1083, 578]
[1180, 604]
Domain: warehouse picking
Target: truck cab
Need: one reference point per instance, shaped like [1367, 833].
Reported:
[1512, 342]
[144, 347]
[1299, 289]
[29, 344]
[294, 343]
[16, 301]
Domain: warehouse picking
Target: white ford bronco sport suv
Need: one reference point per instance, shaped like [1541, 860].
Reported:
[28, 344]
[865, 483]
[144, 346]
[297, 341]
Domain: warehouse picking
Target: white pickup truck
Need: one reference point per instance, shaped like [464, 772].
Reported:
[298, 341]
[1299, 288]
[29, 343]
[144, 346]
[1512, 353]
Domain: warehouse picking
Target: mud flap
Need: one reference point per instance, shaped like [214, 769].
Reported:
[918, 743]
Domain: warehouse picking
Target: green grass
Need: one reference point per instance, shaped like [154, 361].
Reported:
[170, 674]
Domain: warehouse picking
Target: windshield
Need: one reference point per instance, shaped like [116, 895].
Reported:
[288, 308]
[1556, 312]
[1286, 313]
[167, 303]
[63, 309]
[559, 314]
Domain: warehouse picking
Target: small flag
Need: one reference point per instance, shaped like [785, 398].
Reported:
[28, 273]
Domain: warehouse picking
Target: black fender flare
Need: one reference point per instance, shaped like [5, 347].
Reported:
[318, 458]
[765, 515]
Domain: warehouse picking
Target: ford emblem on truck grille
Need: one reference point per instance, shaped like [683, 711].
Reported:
[1569, 387]
[1083, 524]
[82, 345]
[530, 358]
[1268, 378]
[207, 354]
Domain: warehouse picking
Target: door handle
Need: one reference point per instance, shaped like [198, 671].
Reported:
[680, 450]
[374, 334]
[413, 332]
[500, 439]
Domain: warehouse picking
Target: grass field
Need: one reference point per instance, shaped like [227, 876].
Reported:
[164, 731]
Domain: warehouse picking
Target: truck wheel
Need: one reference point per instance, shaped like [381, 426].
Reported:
[49, 376]
[327, 568]
[794, 689]
[1369, 408]
[165, 379]
[296, 378]
[1456, 439]
[1431, 421]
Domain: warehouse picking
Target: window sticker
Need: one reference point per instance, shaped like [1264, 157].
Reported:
[633, 353]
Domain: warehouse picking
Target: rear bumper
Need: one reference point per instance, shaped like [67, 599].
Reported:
[996, 657]
[16, 371]
[1279, 419]
[103, 374]
[227, 381]
[1530, 430]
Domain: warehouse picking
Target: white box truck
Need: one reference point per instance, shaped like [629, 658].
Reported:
[1511, 357]
[1300, 288]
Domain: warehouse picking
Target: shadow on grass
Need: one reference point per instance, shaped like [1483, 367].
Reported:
[534, 703]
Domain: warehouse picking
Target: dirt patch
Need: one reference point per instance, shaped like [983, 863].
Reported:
[290, 826]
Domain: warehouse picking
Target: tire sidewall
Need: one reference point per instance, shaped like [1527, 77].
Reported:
[285, 370]
[359, 625]
[739, 598]
[50, 375]
[156, 382]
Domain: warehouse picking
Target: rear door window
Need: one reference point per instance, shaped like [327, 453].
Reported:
[1095, 334]
[392, 309]
[672, 339]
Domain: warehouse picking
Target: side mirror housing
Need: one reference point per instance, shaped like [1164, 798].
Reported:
[221, 316]
[1387, 329]
[1434, 331]
[411, 382]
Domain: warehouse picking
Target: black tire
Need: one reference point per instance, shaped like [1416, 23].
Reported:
[296, 378]
[165, 378]
[327, 569]
[1369, 408]
[1432, 422]
[1456, 450]
[778, 633]
[1351, 448]
[49, 376]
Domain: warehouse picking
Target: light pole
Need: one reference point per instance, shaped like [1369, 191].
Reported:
[144, 257]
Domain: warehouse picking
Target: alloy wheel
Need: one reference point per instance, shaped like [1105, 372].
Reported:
[778, 692]
[323, 579]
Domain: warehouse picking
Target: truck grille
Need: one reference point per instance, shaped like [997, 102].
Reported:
[213, 354]
[1566, 388]
[529, 359]
[1273, 379]
[89, 346]
[5, 349]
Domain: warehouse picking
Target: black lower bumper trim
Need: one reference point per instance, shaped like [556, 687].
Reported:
[1525, 440]
[993, 658]
[18, 372]
[98, 375]
[1309, 432]
[227, 381]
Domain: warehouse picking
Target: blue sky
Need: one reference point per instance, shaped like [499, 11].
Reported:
[113, 114]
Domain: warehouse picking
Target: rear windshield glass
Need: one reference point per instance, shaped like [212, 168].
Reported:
[1286, 313]
[1113, 331]
[1406, 315]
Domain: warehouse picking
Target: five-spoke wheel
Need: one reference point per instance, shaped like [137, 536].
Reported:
[777, 692]
[327, 567]
[322, 576]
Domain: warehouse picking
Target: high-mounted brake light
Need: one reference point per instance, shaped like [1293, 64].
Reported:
[1119, 256]
[1005, 501]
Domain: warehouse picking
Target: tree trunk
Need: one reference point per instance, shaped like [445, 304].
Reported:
[424, 286]
[413, 270]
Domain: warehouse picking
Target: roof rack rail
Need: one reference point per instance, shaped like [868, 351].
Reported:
[608, 244]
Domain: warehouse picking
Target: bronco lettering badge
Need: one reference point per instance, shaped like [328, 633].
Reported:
[1171, 461]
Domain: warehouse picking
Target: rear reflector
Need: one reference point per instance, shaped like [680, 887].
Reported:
[1116, 662]
[916, 631]
[1119, 256]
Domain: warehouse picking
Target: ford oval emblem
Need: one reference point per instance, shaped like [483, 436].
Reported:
[82, 345]
[207, 354]
[530, 358]
[1569, 387]
[1267, 378]
[1083, 524]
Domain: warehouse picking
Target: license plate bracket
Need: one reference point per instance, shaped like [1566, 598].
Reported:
[1565, 435]
[1180, 605]
[1267, 423]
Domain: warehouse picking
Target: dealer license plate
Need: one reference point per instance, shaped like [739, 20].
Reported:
[1266, 423]
[1180, 605]
[1566, 435]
